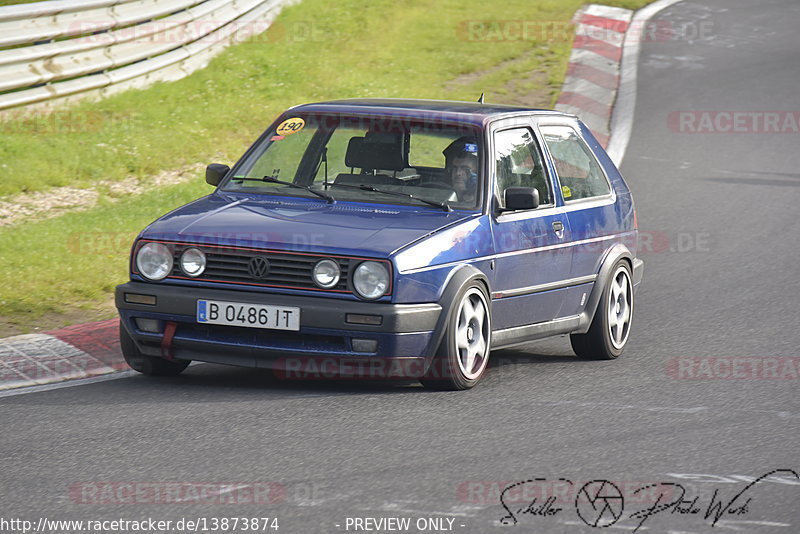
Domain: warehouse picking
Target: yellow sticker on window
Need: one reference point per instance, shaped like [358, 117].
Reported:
[290, 126]
[566, 191]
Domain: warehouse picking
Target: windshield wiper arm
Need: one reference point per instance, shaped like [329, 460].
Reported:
[271, 179]
[445, 206]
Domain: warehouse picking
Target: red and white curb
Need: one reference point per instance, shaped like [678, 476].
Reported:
[590, 87]
[79, 351]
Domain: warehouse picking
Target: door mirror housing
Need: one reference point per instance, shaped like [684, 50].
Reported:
[521, 198]
[215, 172]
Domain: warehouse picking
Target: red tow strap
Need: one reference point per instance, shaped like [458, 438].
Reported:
[166, 341]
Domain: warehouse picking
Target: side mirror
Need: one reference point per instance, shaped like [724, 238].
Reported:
[215, 172]
[521, 198]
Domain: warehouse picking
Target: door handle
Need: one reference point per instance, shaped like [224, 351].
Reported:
[558, 228]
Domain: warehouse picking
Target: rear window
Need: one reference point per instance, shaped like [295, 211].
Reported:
[578, 171]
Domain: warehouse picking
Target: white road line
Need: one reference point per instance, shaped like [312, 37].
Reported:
[582, 56]
[214, 494]
[68, 384]
[608, 12]
[117, 375]
[616, 525]
[610, 36]
[731, 522]
[596, 123]
[589, 89]
[625, 106]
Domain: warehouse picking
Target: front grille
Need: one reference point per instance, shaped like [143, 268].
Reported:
[285, 270]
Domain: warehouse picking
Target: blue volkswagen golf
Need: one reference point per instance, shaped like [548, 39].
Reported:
[390, 238]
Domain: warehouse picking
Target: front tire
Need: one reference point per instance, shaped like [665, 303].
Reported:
[463, 355]
[611, 325]
[148, 365]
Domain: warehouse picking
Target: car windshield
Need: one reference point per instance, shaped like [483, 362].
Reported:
[386, 160]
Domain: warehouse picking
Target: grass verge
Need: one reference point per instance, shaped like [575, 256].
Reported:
[69, 265]
[14, 2]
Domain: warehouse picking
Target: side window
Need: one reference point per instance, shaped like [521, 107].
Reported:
[578, 171]
[519, 163]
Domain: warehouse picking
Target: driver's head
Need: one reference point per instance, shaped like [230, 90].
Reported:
[461, 163]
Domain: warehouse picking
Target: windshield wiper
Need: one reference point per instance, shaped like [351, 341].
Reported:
[271, 179]
[363, 187]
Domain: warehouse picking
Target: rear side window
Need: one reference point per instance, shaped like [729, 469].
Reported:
[578, 171]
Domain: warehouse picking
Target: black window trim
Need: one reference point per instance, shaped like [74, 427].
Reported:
[505, 125]
[573, 126]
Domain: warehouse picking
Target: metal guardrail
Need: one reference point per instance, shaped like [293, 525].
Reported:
[56, 51]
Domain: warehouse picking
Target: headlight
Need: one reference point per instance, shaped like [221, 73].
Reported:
[154, 261]
[193, 262]
[371, 280]
[326, 274]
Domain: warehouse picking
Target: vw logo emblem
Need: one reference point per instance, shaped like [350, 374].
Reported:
[258, 267]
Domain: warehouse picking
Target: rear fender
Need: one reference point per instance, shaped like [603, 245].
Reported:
[614, 254]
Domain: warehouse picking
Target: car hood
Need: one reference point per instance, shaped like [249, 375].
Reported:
[306, 225]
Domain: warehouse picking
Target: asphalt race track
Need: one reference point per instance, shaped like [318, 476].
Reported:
[684, 409]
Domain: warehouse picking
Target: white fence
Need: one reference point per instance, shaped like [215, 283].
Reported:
[57, 51]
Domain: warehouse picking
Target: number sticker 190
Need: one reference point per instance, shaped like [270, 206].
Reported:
[249, 315]
[290, 126]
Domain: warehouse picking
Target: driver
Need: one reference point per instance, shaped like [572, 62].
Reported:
[461, 165]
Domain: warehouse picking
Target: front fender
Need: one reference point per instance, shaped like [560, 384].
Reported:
[458, 278]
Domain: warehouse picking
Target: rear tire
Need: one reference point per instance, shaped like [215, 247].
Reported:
[463, 354]
[611, 325]
[148, 365]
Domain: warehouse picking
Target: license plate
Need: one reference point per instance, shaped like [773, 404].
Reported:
[249, 315]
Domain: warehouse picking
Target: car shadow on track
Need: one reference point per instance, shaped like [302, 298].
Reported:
[213, 378]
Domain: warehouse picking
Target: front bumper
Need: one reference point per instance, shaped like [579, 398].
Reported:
[406, 332]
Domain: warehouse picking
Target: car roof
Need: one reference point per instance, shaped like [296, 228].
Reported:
[473, 112]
